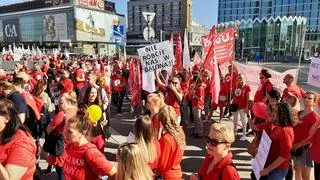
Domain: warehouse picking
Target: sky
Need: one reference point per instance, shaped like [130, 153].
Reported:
[205, 12]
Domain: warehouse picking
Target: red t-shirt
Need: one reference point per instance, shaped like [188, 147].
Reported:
[79, 73]
[84, 162]
[240, 96]
[45, 68]
[301, 131]
[262, 91]
[68, 86]
[234, 80]
[199, 103]
[315, 147]
[171, 156]
[207, 89]
[38, 75]
[296, 90]
[155, 123]
[172, 100]
[20, 151]
[229, 172]
[116, 83]
[154, 164]
[282, 140]
[185, 88]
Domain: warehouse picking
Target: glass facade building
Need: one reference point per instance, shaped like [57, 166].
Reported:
[72, 26]
[273, 38]
[232, 10]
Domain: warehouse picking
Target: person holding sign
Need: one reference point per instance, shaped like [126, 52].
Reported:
[218, 163]
[174, 94]
[280, 131]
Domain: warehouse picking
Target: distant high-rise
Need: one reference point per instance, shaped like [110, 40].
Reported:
[171, 16]
[232, 10]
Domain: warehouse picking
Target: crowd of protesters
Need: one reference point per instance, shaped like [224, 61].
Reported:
[51, 101]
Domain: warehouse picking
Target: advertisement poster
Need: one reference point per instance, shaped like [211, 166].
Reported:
[11, 30]
[94, 26]
[55, 27]
[90, 25]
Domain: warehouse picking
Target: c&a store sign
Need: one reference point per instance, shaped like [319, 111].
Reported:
[11, 30]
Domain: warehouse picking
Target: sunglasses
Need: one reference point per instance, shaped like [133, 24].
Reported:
[214, 142]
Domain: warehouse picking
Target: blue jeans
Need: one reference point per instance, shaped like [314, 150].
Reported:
[59, 171]
[277, 174]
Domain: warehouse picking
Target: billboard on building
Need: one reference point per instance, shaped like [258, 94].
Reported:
[11, 30]
[90, 25]
[95, 4]
[95, 26]
[55, 27]
[56, 2]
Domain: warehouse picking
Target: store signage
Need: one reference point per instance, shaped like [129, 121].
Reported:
[11, 30]
[97, 4]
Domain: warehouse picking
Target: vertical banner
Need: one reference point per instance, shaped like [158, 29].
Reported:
[314, 73]
[55, 27]
[224, 46]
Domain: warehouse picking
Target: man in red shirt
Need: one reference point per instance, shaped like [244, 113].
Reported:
[197, 106]
[80, 77]
[291, 87]
[118, 83]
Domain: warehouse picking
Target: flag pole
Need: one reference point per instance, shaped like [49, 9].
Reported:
[304, 29]
[232, 69]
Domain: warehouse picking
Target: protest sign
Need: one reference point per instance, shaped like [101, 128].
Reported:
[314, 73]
[156, 56]
[261, 157]
[251, 74]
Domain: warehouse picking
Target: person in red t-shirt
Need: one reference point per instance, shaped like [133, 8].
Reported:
[174, 94]
[304, 132]
[154, 102]
[132, 163]
[118, 84]
[205, 77]
[218, 163]
[66, 83]
[68, 108]
[145, 138]
[240, 98]
[82, 159]
[17, 147]
[291, 87]
[265, 86]
[172, 145]
[80, 77]
[280, 131]
[198, 96]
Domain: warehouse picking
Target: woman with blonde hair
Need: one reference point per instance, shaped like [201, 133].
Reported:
[132, 164]
[218, 163]
[68, 108]
[147, 141]
[172, 143]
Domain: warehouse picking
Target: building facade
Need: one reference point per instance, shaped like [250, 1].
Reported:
[232, 10]
[170, 16]
[197, 30]
[75, 25]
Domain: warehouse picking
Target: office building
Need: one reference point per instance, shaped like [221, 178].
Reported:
[233, 10]
[170, 16]
[80, 26]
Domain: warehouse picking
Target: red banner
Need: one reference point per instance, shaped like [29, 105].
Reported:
[135, 83]
[178, 53]
[224, 46]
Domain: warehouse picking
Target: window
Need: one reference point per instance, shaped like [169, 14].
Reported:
[292, 8]
[306, 7]
[285, 8]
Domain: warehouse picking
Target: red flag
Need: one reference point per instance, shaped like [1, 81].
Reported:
[178, 53]
[208, 62]
[213, 31]
[135, 83]
[215, 83]
[196, 59]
